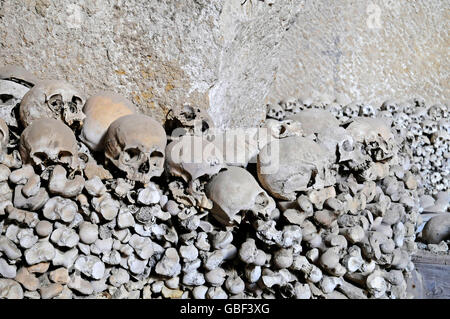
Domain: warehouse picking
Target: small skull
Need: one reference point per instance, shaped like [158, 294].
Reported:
[440, 139]
[101, 110]
[19, 75]
[392, 106]
[352, 110]
[47, 142]
[292, 165]
[282, 129]
[275, 112]
[438, 111]
[11, 93]
[367, 110]
[188, 119]
[235, 190]
[429, 127]
[136, 145]
[415, 129]
[290, 106]
[335, 109]
[53, 99]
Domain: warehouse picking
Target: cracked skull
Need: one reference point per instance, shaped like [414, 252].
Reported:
[296, 164]
[136, 145]
[235, 190]
[53, 99]
[188, 119]
[101, 110]
[47, 142]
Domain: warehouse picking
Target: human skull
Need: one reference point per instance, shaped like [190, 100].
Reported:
[400, 120]
[235, 190]
[367, 110]
[429, 127]
[441, 138]
[136, 145]
[352, 110]
[188, 119]
[438, 111]
[376, 137]
[49, 141]
[19, 75]
[282, 129]
[53, 99]
[4, 136]
[415, 129]
[335, 109]
[290, 106]
[11, 93]
[292, 165]
[392, 106]
[191, 157]
[101, 110]
[275, 111]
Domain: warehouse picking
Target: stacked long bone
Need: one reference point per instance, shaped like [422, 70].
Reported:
[96, 203]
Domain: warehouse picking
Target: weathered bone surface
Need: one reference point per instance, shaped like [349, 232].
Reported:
[136, 145]
[101, 110]
[53, 99]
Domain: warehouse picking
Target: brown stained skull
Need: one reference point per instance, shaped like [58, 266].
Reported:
[47, 142]
[136, 145]
[53, 99]
[101, 110]
[234, 191]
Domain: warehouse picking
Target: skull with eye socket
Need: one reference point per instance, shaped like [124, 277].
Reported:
[48, 142]
[53, 99]
[188, 119]
[136, 145]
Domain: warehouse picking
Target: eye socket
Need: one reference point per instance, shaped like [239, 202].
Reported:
[41, 156]
[131, 154]
[5, 98]
[55, 102]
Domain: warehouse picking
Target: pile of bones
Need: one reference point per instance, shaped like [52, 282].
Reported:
[98, 200]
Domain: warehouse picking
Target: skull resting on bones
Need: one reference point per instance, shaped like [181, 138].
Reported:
[48, 141]
[294, 164]
[53, 99]
[101, 110]
[235, 190]
[136, 145]
[372, 141]
[188, 119]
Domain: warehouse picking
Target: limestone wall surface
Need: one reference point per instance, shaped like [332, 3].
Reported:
[231, 57]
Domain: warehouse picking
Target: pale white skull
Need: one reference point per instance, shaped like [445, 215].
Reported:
[441, 138]
[291, 106]
[415, 129]
[235, 190]
[188, 119]
[282, 129]
[444, 125]
[275, 111]
[47, 142]
[292, 165]
[352, 110]
[392, 106]
[53, 99]
[438, 111]
[377, 138]
[136, 145]
[191, 157]
[18, 74]
[335, 108]
[367, 110]
[11, 93]
[101, 110]
[429, 127]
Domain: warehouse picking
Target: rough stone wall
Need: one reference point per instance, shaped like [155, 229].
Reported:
[230, 57]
